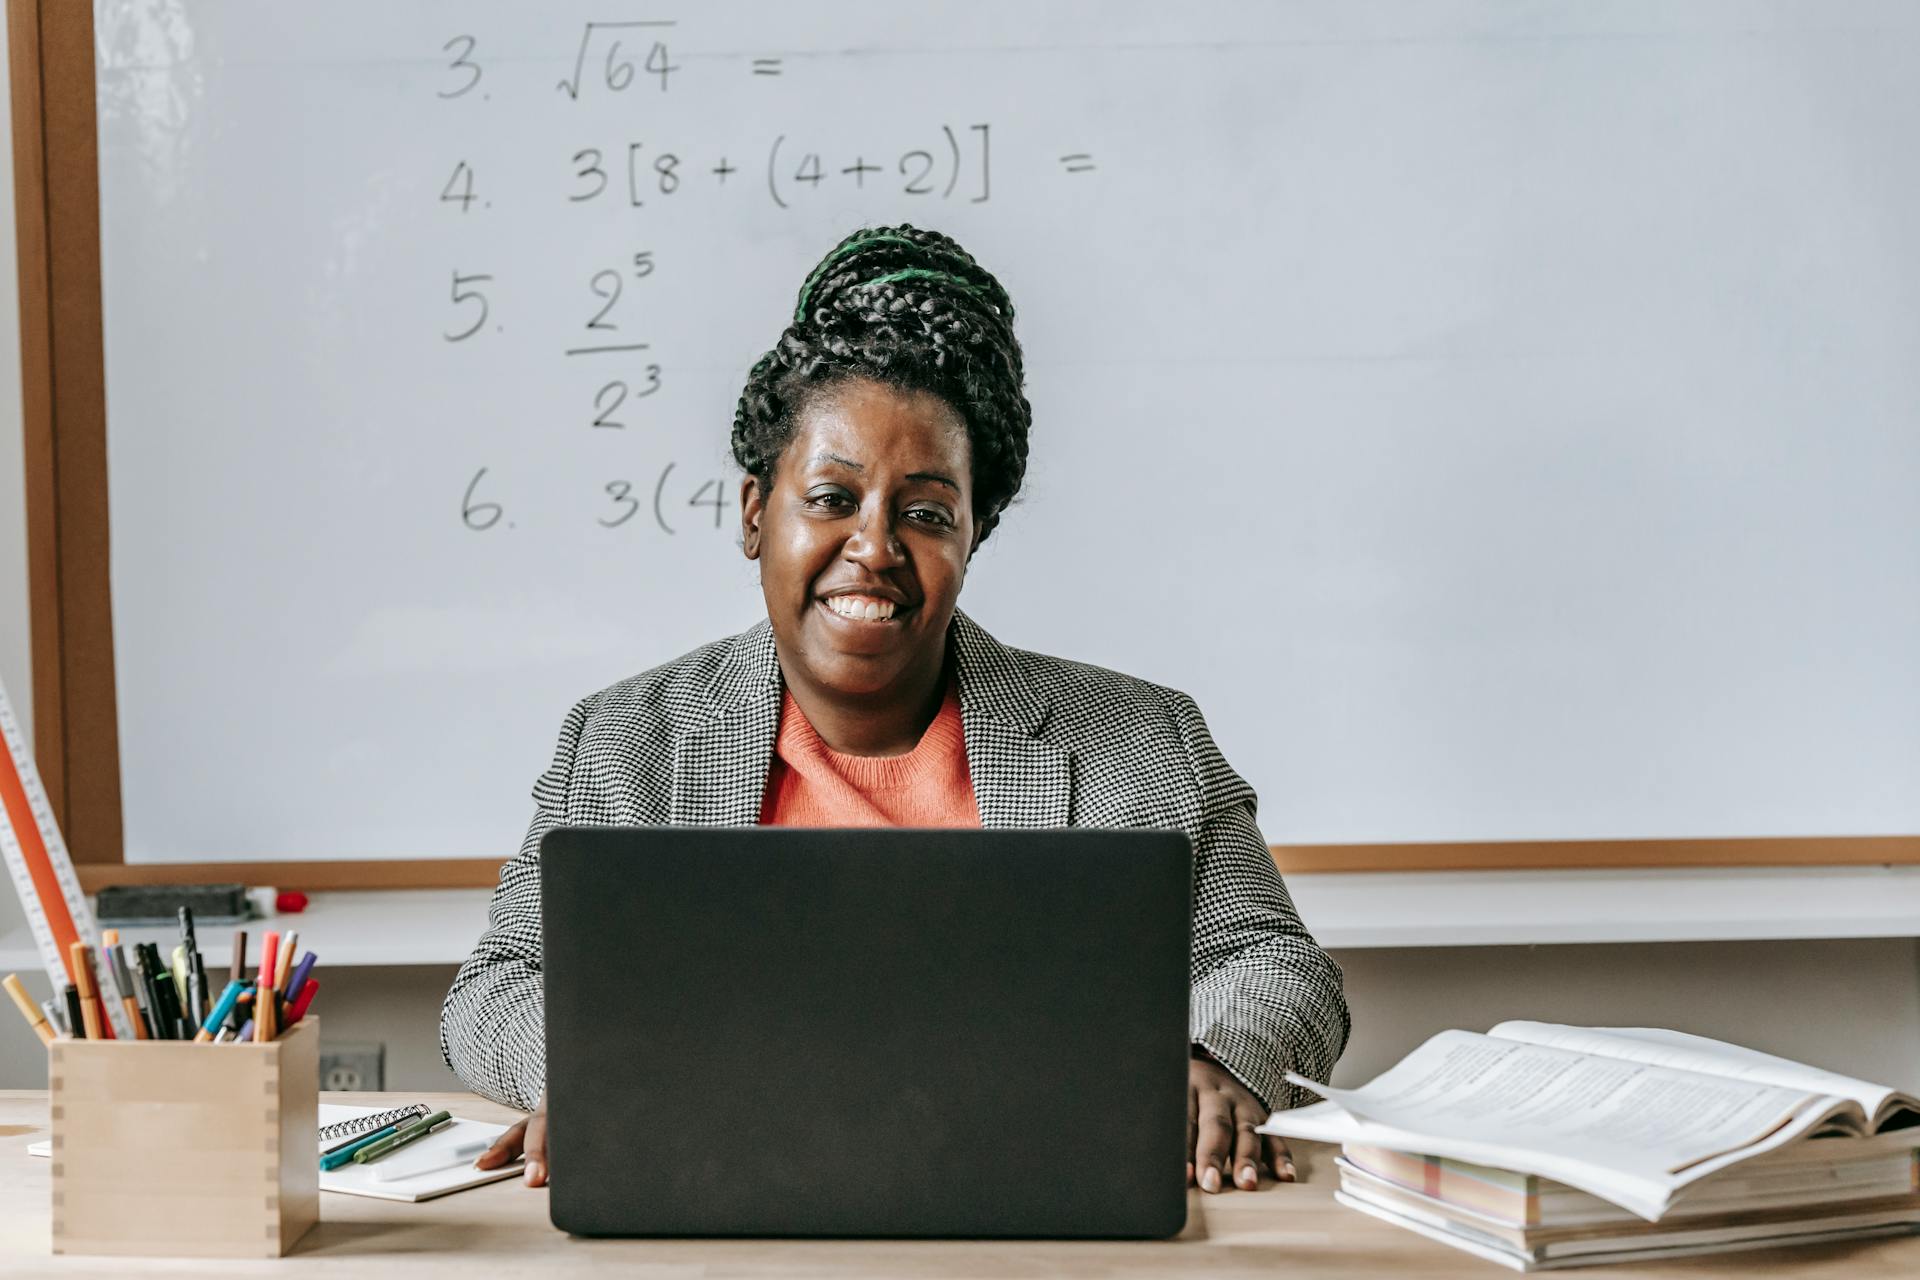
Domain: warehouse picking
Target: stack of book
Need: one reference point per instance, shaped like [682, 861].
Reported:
[1541, 1146]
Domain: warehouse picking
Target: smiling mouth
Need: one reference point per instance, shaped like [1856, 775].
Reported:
[856, 608]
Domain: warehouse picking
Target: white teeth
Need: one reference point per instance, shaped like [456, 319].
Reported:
[864, 608]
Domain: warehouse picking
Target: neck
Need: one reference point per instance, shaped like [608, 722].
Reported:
[889, 722]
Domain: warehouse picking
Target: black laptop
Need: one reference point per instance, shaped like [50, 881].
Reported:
[781, 1032]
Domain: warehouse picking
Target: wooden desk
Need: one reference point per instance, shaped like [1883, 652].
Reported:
[1294, 1232]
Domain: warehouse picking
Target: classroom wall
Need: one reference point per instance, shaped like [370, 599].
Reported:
[1850, 1005]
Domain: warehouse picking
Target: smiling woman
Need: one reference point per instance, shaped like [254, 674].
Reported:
[882, 438]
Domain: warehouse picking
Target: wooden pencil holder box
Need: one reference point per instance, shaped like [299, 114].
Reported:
[186, 1150]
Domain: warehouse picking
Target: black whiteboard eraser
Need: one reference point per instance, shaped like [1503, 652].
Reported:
[161, 903]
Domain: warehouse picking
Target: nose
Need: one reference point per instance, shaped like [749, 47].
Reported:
[875, 545]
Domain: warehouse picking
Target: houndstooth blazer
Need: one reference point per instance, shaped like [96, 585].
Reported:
[1049, 743]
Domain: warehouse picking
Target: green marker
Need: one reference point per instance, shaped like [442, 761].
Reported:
[418, 1129]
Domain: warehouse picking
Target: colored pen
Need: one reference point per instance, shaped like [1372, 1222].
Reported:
[89, 994]
[246, 1031]
[298, 1008]
[28, 1009]
[221, 1009]
[269, 956]
[298, 978]
[335, 1156]
[76, 1024]
[238, 968]
[289, 948]
[418, 1129]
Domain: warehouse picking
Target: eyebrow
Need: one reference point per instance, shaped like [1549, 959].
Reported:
[934, 476]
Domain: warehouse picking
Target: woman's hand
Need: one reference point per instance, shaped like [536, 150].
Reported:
[528, 1138]
[1221, 1143]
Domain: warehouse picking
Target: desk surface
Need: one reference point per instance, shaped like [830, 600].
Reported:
[1295, 1231]
[1371, 909]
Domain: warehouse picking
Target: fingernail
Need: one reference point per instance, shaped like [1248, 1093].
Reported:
[1249, 1176]
[1286, 1171]
[1210, 1179]
[532, 1171]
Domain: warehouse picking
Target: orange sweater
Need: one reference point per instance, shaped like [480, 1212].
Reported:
[812, 785]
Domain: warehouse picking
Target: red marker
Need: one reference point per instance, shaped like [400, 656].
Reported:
[299, 1008]
[269, 952]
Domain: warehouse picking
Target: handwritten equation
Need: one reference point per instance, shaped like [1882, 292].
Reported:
[635, 62]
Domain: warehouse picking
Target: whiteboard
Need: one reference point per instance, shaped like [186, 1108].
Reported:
[1503, 419]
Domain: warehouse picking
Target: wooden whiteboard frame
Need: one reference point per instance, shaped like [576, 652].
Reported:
[76, 733]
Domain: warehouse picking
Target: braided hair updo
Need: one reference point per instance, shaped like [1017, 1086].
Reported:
[912, 310]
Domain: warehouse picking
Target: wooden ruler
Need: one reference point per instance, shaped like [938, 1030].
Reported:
[42, 873]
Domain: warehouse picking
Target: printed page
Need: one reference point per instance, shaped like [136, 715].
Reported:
[1648, 1121]
[1698, 1053]
[1649, 1195]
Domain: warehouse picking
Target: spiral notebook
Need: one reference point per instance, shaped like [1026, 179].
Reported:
[338, 1123]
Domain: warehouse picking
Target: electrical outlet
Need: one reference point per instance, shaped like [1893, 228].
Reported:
[357, 1068]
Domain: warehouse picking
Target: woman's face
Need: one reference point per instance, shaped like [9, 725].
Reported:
[863, 538]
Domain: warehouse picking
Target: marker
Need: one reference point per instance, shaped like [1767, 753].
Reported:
[166, 1006]
[238, 968]
[221, 1009]
[298, 1009]
[465, 1153]
[76, 1024]
[418, 1129]
[289, 947]
[89, 995]
[336, 1156]
[298, 978]
[28, 1009]
[269, 956]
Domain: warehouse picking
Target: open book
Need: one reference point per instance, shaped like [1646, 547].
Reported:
[1633, 1115]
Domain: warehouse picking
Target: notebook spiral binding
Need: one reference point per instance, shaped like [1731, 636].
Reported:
[367, 1124]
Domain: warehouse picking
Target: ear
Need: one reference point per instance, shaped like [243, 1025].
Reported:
[752, 507]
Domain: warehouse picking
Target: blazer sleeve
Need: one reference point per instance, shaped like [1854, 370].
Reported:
[1266, 998]
[493, 1024]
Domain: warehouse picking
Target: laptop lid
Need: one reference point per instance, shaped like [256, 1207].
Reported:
[772, 1031]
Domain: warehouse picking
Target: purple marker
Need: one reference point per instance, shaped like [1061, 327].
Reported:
[298, 978]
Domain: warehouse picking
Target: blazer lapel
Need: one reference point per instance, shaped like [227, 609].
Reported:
[1019, 779]
[720, 768]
